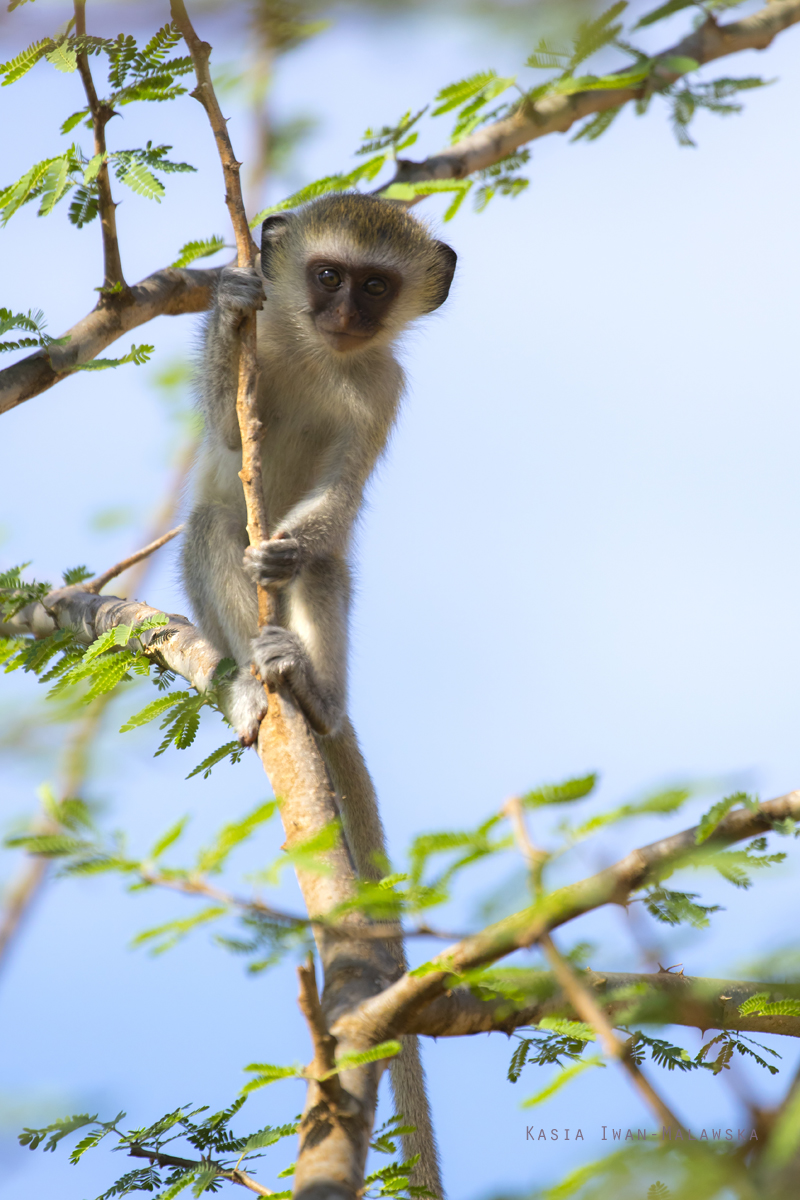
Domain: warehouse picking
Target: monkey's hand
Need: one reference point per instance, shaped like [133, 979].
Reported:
[240, 292]
[273, 563]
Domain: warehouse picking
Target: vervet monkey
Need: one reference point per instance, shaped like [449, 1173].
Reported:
[340, 280]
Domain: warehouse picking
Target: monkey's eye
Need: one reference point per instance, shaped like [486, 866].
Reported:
[376, 286]
[329, 278]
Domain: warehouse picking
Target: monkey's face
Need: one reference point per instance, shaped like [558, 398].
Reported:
[349, 303]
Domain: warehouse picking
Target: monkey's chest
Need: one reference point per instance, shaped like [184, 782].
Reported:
[296, 459]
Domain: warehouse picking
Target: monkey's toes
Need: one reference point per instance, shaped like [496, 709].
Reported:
[277, 653]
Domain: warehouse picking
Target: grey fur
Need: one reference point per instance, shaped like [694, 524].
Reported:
[327, 417]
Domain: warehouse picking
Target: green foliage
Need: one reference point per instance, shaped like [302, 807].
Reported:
[203, 248]
[663, 1053]
[552, 1040]
[233, 751]
[664, 802]
[664, 10]
[565, 1076]
[211, 1152]
[714, 96]
[32, 322]
[561, 793]
[395, 1181]
[734, 1043]
[763, 1006]
[677, 908]
[595, 127]
[343, 182]
[16, 594]
[137, 354]
[393, 138]
[711, 819]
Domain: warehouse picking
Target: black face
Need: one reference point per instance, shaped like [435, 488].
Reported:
[350, 304]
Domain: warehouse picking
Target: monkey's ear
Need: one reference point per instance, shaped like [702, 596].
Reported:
[441, 274]
[272, 231]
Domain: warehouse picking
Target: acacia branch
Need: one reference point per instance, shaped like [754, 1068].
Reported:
[101, 114]
[670, 999]
[557, 114]
[395, 1009]
[169, 292]
[175, 291]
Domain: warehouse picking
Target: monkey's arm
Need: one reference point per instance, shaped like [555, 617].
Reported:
[239, 292]
[319, 525]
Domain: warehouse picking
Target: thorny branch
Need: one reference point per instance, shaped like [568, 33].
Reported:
[397, 1006]
[171, 291]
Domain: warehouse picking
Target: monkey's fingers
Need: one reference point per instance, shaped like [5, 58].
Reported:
[273, 562]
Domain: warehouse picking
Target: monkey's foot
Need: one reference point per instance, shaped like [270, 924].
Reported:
[279, 655]
[246, 705]
[273, 563]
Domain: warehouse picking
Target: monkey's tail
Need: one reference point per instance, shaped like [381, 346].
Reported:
[365, 837]
[411, 1099]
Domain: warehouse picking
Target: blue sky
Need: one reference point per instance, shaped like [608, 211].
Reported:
[579, 553]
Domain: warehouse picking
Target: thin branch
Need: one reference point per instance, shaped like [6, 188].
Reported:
[591, 1013]
[250, 426]
[170, 292]
[101, 113]
[557, 114]
[172, 1160]
[96, 585]
[395, 1008]
[19, 898]
[323, 1068]
[581, 999]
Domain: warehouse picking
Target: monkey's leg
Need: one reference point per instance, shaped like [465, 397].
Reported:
[225, 605]
[365, 837]
[309, 653]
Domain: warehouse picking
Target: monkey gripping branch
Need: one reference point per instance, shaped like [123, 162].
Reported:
[365, 1005]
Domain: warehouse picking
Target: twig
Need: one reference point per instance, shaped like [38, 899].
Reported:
[592, 1014]
[96, 585]
[250, 425]
[580, 998]
[323, 1068]
[113, 279]
[19, 898]
[172, 1160]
